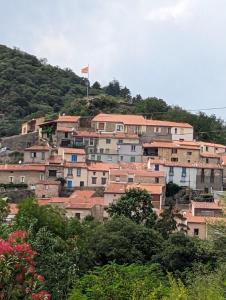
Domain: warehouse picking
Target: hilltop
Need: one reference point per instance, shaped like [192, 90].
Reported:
[30, 87]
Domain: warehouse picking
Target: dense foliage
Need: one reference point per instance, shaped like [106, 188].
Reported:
[30, 87]
[122, 258]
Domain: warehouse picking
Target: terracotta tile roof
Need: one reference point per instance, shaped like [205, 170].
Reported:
[206, 205]
[144, 173]
[21, 167]
[155, 189]
[82, 194]
[68, 119]
[38, 148]
[162, 144]
[209, 155]
[120, 188]
[85, 204]
[85, 134]
[74, 151]
[115, 118]
[100, 166]
[133, 166]
[167, 124]
[115, 188]
[199, 219]
[202, 143]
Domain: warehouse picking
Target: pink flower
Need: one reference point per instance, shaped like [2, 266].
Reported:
[5, 247]
[17, 235]
[41, 278]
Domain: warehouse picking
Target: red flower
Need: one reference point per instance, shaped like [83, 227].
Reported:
[31, 269]
[19, 277]
[5, 247]
[17, 235]
[41, 278]
[42, 295]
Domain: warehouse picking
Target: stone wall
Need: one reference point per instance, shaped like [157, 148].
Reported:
[20, 142]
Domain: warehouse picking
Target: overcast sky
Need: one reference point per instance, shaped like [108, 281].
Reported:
[171, 49]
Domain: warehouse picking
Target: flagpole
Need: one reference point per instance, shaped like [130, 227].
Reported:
[88, 84]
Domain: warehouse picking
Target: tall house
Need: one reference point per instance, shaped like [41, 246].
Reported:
[112, 123]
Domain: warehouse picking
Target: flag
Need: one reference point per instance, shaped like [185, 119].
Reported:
[85, 70]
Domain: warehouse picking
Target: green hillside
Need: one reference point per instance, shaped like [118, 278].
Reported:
[30, 87]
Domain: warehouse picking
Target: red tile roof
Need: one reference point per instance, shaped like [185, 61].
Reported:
[186, 165]
[206, 205]
[64, 129]
[68, 119]
[21, 167]
[199, 219]
[57, 159]
[115, 188]
[209, 155]
[75, 165]
[74, 151]
[38, 148]
[100, 166]
[167, 124]
[120, 188]
[115, 118]
[162, 144]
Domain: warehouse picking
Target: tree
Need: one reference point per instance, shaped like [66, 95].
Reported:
[124, 282]
[166, 223]
[125, 93]
[96, 85]
[135, 205]
[113, 88]
[172, 189]
[120, 240]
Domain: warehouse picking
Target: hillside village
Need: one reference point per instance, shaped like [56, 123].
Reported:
[83, 164]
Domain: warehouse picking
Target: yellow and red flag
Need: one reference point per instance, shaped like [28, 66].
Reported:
[85, 70]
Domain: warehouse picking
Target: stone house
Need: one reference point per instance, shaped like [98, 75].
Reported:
[22, 173]
[37, 154]
[98, 173]
[72, 154]
[47, 189]
[76, 174]
[32, 125]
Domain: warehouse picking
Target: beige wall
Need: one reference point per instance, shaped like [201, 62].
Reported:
[137, 179]
[76, 180]
[98, 175]
[71, 213]
[202, 229]
[67, 125]
[38, 159]
[182, 155]
[47, 190]
[30, 177]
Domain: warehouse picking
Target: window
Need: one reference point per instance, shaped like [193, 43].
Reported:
[99, 157]
[104, 173]
[121, 158]
[196, 231]
[81, 183]
[174, 151]
[175, 130]
[207, 148]
[47, 187]
[183, 174]
[11, 179]
[74, 157]
[130, 179]
[94, 180]
[41, 176]
[101, 150]
[101, 126]
[169, 130]
[189, 153]
[119, 127]
[108, 141]
[132, 159]
[120, 142]
[91, 142]
[109, 158]
[156, 180]
[33, 154]
[22, 179]
[66, 135]
[156, 129]
[171, 171]
[79, 172]
[212, 176]
[52, 173]
[94, 173]
[207, 160]
[43, 155]
[103, 180]
[189, 160]
[133, 148]
[175, 159]
[92, 156]
[156, 167]
[117, 178]
[69, 172]
[78, 216]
